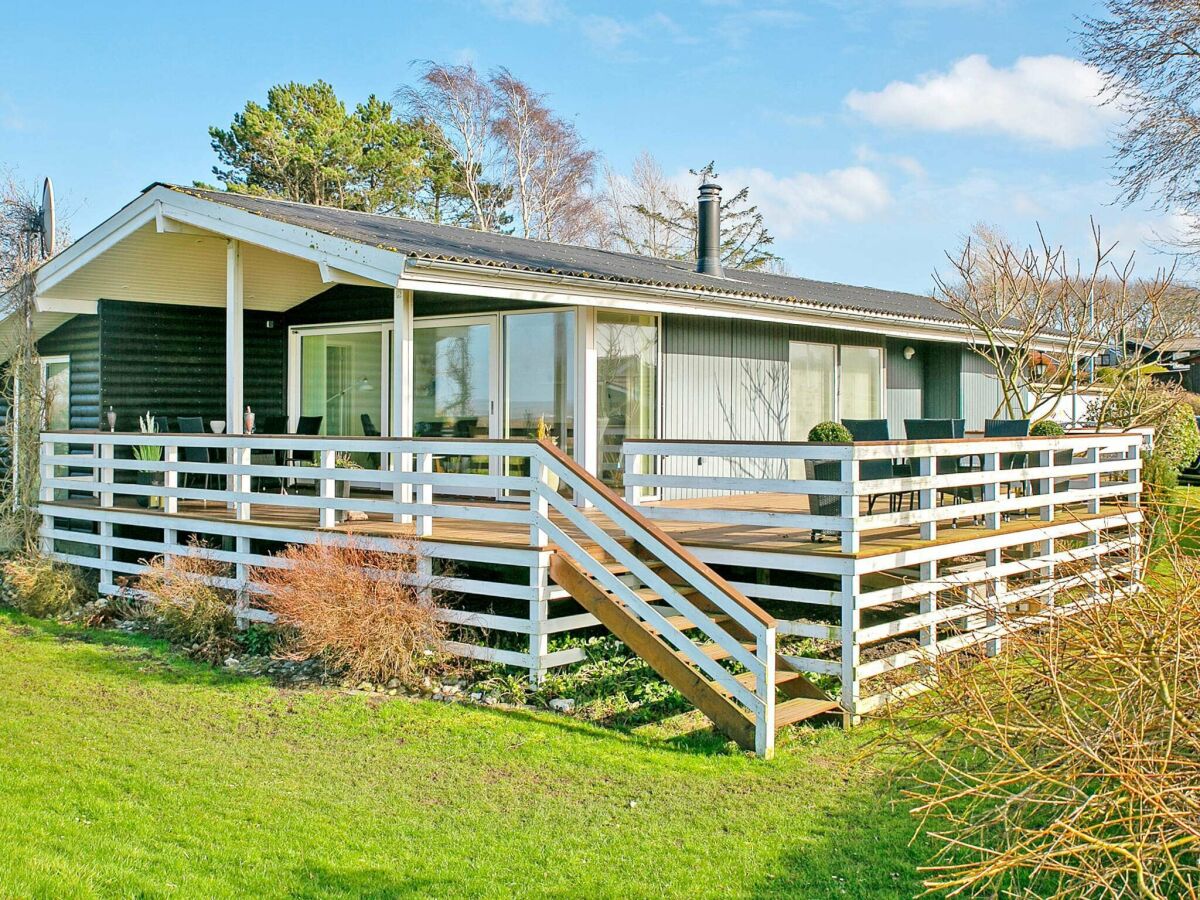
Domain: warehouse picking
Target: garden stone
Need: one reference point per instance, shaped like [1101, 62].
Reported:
[393, 683]
[231, 663]
[366, 686]
[562, 704]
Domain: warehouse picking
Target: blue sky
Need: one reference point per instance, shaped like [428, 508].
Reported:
[874, 134]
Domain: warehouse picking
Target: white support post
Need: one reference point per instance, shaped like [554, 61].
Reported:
[424, 520]
[106, 475]
[539, 613]
[107, 585]
[242, 572]
[402, 492]
[45, 494]
[170, 542]
[539, 506]
[1093, 482]
[587, 436]
[926, 497]
[764, 731]
[991, 491]
[170, 480]
[327, 459]
[1046, 485]
[851, 618]
[629, 465]
[234, 338]
[849, 505]
[240, 456]
[402, 393]
[927, 637]
[994, 601]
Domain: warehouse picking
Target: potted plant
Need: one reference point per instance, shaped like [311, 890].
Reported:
[346, 461]
[1050, 428]
[825, 470]
[148, 453]
[544, 434]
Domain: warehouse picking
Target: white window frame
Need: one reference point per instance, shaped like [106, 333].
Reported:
[296, 332]
[837, 376]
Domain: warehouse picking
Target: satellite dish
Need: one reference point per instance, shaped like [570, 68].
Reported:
[46, 219]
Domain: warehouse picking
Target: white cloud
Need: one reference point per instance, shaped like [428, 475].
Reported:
[790, 202]
[531, 12]
[1047, 99]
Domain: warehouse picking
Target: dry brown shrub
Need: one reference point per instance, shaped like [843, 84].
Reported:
[186, 607]
[1070, 764]
[357, 608]
[43, 587]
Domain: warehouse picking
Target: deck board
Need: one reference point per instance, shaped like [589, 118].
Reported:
[505, 535]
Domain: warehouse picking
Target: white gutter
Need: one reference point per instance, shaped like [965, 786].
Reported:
[507, 283]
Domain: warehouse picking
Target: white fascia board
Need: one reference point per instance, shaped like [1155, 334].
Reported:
[334, 275]
[42, 303]
[485, 281]
[376, 264]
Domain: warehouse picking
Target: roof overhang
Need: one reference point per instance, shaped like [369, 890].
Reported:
[441, 276]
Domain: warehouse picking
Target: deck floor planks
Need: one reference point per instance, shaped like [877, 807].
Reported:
[743, 537]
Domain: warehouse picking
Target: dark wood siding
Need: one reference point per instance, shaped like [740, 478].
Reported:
[170, 360]
[79, 339]
[344, 303]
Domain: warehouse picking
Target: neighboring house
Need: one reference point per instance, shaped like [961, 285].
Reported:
[316, 305]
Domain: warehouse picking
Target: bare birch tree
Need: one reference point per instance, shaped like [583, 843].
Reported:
[463, 107]
[1041, 321]
[548, 167]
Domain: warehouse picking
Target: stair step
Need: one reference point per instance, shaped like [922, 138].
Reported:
[801, 708]
[717, 652]
[782, 676]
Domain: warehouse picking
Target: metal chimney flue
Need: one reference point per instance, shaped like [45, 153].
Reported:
[708, 222]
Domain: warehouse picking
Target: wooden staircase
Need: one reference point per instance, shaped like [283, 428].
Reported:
[796, 698]
[705, 637]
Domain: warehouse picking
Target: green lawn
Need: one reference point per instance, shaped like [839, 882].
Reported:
[128, 771]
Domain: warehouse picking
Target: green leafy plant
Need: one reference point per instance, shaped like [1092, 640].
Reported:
[345, 461]
[1046, 428]
[1160, 478]
[43, 587]
[1164, 407]
[147, 452]
[830, 433]
[258, 639]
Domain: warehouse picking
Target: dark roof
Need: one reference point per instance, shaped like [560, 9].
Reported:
[424, 240]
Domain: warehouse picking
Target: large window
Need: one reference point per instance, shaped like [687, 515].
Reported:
[56, 377]
[831, 382]
[626, 385]
[539, 376]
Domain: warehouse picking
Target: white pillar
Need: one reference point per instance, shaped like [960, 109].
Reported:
[402, 363]
[234, 339]
[587, 441]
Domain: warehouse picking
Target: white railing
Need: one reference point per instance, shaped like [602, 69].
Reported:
[1057, 529]
[940, 482]
[252, 487]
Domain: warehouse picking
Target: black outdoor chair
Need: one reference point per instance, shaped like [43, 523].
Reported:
[273, 425]
[1009, 428]
[369, 428]
[195, 425]
[307, 426]
[873, 469]
[943, 429]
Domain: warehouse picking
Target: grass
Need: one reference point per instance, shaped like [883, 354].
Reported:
[128, 771]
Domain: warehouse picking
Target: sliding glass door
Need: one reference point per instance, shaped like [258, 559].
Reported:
[626, 386]
[454, 384]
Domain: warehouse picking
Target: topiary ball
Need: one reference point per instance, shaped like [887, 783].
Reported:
[830, 433]
[1046, 428]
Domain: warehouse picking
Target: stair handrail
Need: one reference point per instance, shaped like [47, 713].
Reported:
[744, 603]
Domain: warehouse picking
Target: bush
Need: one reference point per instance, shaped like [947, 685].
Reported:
[1165, 408]
[43, 587]
[357, 608]
[184, 605]
[1160, 477]
[830, 433]
[1070, 767]
[1046, 428]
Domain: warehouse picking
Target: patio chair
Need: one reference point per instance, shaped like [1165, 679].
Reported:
[307, 426]
[873, 469]
[369, 428]
[943, 429]
[823, 504]
[273, 425]
[1009, 428]
[195, 425]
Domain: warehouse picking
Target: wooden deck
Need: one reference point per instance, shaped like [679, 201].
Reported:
[504, 535]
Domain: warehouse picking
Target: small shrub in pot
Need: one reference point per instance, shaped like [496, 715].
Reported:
[825, 470]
